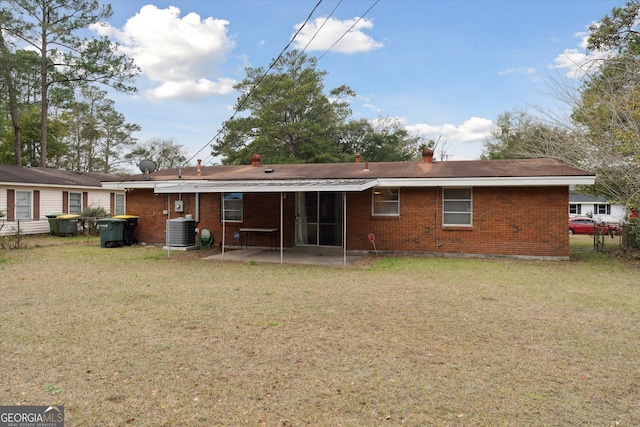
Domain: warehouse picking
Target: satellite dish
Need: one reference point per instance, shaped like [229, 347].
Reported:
[147, 166]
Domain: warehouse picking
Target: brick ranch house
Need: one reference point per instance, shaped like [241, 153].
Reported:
[513, 208]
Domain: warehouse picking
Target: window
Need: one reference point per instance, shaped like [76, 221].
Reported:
[75, 203]
[602, 209]
[456, 206]
[119, 204]
[575, 209]
[386, 201]
[232, 207]
[23, 205]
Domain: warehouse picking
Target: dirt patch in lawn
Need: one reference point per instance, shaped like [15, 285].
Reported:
[128, 336]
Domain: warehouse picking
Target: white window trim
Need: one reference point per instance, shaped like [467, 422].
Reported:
[223, 209]
[470, 213]
[373, 203]
[17, 198]
[80, 199]
[124, 204]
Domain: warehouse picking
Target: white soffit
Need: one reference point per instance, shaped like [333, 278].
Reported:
[519, 181]
[269, 186]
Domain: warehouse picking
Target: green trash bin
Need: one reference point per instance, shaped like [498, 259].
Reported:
[111, 232]
[54, 228]
[68, 224]
[128, 234]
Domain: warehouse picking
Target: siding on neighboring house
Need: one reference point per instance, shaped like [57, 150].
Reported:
[49, 201]
[581, 205]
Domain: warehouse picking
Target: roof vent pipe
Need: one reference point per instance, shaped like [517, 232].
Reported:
[427, 155]
[199, 170]
[255, 160]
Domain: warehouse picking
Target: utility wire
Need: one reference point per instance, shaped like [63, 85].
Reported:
[261, 78]
[350, 28]
[237, 110]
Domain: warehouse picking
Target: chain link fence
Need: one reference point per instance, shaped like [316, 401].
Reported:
[23, 233]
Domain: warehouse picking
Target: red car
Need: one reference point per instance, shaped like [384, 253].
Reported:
[588, 225]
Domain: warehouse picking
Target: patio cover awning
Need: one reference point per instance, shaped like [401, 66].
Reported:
[273, 186]
[268, 186]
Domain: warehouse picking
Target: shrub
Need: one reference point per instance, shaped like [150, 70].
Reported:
[90, 214]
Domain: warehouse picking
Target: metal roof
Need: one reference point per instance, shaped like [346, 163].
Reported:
[268, 186]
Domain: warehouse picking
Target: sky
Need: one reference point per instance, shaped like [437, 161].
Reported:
[445, 68]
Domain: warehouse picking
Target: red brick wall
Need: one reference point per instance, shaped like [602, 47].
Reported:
[260, 210]
[506, 221]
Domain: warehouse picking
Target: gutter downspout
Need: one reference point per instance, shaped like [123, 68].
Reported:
[224, 229]
[435, 224]
[197, 208]
[168, 224]
[281, 231]
[344, 228]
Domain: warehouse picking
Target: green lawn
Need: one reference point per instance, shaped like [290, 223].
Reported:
[128, 336]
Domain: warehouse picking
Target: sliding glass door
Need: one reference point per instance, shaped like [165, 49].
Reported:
[319, 218]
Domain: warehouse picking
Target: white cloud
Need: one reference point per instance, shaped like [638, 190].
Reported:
[474, 129]
[372, 107]
[322, 33]
[578, 62]
[191, 89]
[462, 142]
[530, 72]
[179, 54]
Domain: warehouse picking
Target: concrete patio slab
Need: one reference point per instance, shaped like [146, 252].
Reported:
[298, 255]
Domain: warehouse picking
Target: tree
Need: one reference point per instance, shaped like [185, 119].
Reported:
[289, 120]
[165, 153]
[96, 132]
[602, 133]
[607, 115]
[619, 32]
[380, 140]
[12, 102]
[521, 135]
[51, 27]
[115, 133]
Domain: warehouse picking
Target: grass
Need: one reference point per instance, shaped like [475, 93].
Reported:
[128, 336]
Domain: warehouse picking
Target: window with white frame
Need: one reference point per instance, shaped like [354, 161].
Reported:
[575, 209]
[602, 209]
[457, 206]
[75, 203]
[119, 204]
[232, 207]
[23, 204]
[386, 201]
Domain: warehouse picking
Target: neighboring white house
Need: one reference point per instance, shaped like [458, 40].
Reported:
[28, 195]
[595, 207]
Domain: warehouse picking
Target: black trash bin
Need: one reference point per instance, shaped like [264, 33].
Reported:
[111, 232]
[54, 228]
[68, 224]
[130, 224]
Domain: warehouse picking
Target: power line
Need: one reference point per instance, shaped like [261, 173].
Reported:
[261, 78]
[350, 28]
[248, 95]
